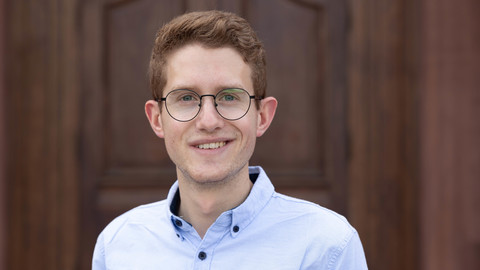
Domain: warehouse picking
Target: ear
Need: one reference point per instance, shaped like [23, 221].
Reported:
[268, 106]
[152, 110]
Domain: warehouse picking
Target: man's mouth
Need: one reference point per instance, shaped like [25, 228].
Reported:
[214, 145]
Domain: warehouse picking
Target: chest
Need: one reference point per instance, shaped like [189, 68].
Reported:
[261, 250]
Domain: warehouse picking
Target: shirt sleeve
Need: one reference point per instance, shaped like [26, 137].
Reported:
[98, 261]
[351, 257]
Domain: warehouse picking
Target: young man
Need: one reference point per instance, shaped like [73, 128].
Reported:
[208, 81]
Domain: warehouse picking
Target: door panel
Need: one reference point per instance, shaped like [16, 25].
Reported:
[299, 150]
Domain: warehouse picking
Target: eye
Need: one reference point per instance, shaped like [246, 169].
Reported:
[187, 98]
[230, 95]
[228, 98]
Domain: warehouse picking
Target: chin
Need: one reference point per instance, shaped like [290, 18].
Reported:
[209, 181]
[210, 176]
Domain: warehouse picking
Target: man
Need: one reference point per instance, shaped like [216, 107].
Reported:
[208, 79]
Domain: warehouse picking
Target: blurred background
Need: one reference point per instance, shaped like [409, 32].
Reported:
[378, 119]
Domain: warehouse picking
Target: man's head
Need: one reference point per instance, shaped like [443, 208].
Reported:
[212, 29]
[209, 135]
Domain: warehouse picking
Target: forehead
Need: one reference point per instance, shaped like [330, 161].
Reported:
[197, 67]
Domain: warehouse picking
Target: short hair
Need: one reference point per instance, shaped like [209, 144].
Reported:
[212, 29]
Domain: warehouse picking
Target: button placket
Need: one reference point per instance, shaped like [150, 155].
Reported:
[221, 228]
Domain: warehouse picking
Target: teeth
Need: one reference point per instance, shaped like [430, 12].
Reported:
[211, 145]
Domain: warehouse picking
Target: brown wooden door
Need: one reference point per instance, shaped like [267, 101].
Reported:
[123, 164]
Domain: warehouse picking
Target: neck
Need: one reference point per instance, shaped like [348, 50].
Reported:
[202, 204]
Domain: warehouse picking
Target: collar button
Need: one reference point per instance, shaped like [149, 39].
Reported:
[178, 222]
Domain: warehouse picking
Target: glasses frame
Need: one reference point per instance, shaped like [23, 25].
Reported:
[164, 99]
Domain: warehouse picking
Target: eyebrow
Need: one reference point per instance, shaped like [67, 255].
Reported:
[193, 88]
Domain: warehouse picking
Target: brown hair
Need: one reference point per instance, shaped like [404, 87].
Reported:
[212, 29]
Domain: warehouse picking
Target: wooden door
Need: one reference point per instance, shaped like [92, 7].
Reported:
[124, 165]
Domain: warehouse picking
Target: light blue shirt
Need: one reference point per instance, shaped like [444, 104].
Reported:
[267, 231]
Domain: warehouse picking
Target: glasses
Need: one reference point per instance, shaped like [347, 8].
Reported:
[184, 105]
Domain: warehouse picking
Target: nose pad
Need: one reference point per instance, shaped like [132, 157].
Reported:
[208, 118]
[214, 103]
[201, 104]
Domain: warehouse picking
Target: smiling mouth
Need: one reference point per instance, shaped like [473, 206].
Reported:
[214, 145]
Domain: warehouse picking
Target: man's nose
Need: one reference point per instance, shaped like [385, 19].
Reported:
[208, 118]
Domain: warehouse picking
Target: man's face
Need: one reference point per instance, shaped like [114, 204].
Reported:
[209, 148]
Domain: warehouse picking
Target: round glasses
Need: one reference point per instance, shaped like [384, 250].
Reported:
[184, 105]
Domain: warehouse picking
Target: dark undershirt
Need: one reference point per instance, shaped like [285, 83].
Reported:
[174, 207]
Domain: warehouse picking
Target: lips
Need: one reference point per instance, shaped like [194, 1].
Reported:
[213, 145]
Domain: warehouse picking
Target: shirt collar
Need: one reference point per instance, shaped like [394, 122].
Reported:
[258, 198]
[242, 215]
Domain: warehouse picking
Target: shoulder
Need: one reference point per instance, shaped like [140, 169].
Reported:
[318, 223]
[142, 232]
[330, 239]
[145, 215]
[309, 210]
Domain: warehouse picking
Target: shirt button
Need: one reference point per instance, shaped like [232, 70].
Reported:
[202, 255]
[178, 222]
[236, 229]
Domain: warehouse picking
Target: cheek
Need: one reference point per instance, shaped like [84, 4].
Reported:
[250, 133]
[173, 150]
[171, 139]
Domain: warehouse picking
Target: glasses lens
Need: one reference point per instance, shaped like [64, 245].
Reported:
[232, 104]
[182, 105]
